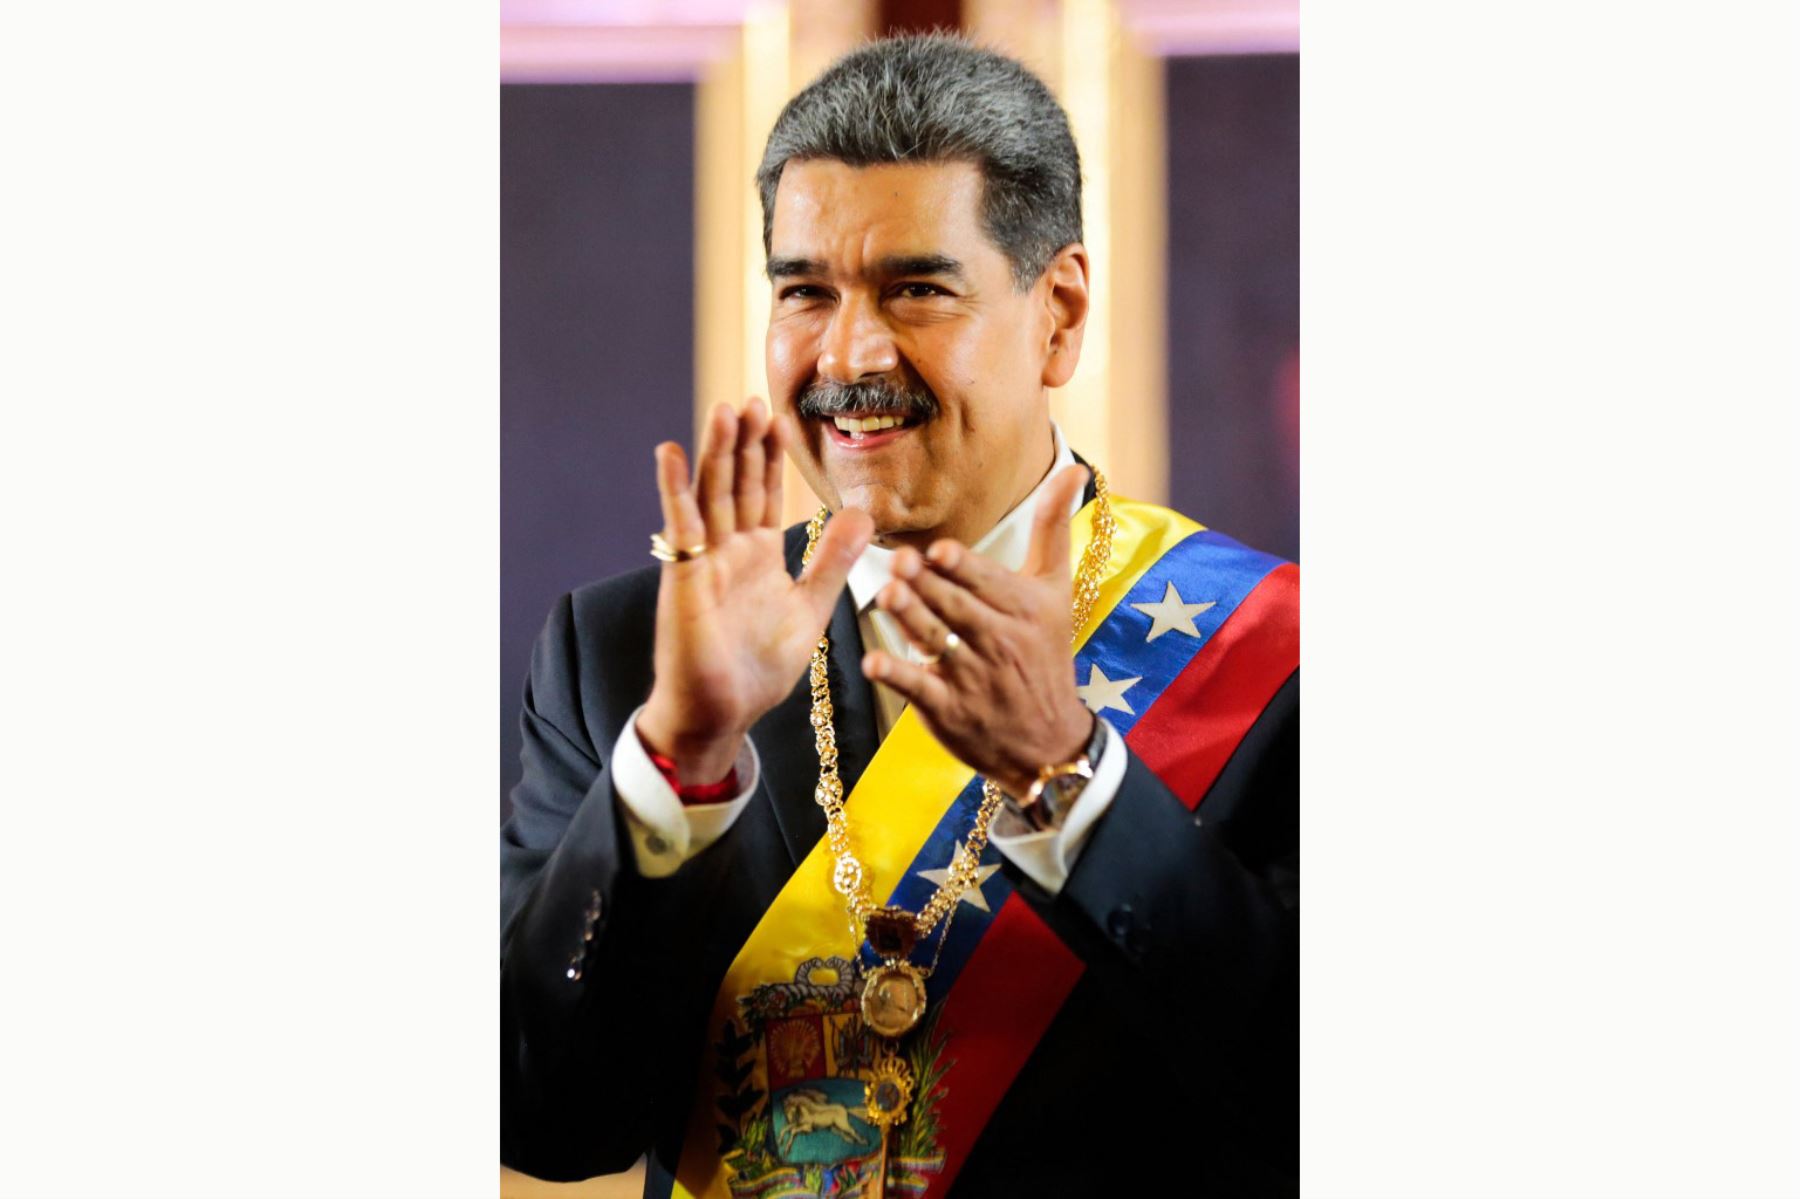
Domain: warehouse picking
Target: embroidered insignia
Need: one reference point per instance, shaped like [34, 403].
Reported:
[796, 1072]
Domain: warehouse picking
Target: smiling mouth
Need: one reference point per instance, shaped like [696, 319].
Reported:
[867, 431]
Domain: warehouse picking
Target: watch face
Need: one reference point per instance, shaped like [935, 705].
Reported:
[1050, 798]
[1059, 793]
[1056, 798]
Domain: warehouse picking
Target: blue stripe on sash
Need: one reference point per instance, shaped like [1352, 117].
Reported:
[1205, 567]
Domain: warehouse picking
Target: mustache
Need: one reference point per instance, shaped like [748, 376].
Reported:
[823, 398]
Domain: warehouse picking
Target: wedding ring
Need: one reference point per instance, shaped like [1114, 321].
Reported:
[662, 551]
[952, 643]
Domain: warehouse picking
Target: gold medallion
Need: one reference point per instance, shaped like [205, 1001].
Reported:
[893, 1000]
[887, 1091]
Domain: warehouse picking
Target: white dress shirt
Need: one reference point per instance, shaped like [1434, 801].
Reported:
[665, 832]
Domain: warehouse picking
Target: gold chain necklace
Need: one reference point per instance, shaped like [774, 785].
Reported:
[893, 999]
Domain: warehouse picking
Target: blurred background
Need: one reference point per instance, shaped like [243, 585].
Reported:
[632, 295]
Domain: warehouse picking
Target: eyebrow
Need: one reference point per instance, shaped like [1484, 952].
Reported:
[885, 268]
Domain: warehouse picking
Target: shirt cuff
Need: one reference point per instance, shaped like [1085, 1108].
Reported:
[1047, 857]
[664, 832]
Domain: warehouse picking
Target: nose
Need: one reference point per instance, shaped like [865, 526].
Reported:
[857, 343]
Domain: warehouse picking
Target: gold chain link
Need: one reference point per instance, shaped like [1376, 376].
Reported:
[848, 875]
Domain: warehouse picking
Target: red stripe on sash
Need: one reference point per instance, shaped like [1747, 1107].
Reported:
[1021, 973]
[1003, 1001]
[1192, 729]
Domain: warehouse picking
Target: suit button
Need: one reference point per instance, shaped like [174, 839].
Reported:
[1122, 925]
[591, 918]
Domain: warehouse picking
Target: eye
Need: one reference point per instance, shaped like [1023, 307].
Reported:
[802, 291]
[921, 291]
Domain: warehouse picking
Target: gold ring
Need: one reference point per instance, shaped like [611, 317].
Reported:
[662, 551]
[952, 643]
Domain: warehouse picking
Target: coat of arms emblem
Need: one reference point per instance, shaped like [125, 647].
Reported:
[792, 1074]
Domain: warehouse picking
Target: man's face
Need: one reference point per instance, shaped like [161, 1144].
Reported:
[890, 300]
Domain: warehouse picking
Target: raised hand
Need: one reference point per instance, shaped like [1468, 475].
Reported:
[733, 629]
[1003, 700]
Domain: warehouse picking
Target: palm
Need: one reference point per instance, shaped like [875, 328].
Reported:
[734, 633]
[733, 629]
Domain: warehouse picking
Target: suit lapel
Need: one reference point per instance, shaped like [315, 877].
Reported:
[784, 737]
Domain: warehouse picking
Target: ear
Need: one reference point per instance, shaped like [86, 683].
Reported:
[1065, 285]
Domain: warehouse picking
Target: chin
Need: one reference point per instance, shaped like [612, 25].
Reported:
[892, 515]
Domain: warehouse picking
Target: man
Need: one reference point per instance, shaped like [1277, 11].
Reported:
[756, 920]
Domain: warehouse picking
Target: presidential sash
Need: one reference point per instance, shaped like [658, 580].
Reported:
[1189, 640]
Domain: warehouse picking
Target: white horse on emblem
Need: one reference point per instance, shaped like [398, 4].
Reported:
[811, 1110]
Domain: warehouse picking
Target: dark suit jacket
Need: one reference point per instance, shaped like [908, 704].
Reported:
[1173, 1066]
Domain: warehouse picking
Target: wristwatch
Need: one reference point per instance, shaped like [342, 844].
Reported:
[1057, 787]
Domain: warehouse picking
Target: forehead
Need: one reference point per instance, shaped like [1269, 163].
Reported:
[824, 206]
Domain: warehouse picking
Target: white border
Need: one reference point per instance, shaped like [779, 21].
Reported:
[1549, 303]
[250, 487]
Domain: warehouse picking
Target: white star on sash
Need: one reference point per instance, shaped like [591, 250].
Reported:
[1100, 692]
[1169, 613]
[973, 895]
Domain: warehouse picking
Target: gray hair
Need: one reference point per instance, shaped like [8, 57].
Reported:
[938, 97]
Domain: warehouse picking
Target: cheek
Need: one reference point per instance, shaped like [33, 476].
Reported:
[790, 357]
[957, 366]
[986, 372]
[1026, 336]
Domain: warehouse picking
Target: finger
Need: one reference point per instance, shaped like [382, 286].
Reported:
[753, 426]
[717, 456]
[846, 535]
[991, 583]
[1048, 557]
[682, 526]
[926, 632]
[948, 600]
[917, 684]
[774, 461]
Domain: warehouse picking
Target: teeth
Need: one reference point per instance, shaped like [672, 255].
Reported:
[866, 424]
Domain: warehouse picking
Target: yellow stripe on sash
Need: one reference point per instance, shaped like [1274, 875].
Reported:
[902, 796]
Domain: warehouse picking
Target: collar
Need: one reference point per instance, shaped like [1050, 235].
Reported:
[1006, 544]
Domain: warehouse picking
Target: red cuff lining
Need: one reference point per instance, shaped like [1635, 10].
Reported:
[725, 788]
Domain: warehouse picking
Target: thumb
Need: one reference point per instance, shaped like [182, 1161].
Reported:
[845, 537]
[1049, 554]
